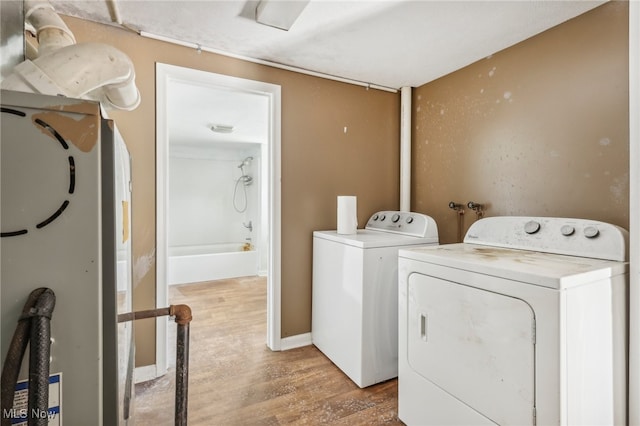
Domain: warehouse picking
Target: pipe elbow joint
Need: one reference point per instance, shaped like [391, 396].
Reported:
[89, 70]
[182, 314]
[51, 31]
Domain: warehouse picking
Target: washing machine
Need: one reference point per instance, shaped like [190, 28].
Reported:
[523, 323]
[355, 293]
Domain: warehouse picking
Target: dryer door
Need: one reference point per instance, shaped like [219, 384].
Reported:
[474, 344]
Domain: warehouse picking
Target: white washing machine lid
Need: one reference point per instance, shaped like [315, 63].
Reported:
[367, 238]
[543, 269]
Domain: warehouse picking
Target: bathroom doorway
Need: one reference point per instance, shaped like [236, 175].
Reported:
[218, 186]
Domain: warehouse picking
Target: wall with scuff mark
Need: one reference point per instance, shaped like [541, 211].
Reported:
[541, 128]
[337, 139]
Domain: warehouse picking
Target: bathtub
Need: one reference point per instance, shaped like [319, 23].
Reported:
[188, 264]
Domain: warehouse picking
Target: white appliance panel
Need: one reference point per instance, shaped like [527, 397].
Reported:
[476, 345]
[580, 311]
[341, 289]
[359, 332]
[380, 314]
[574, 237]
[355, 293]
[62, 204]
[595, 341]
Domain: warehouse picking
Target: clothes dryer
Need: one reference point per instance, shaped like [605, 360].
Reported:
[355, 293]
[524, 323]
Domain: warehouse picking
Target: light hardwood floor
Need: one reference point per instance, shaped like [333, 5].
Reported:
[234, 379]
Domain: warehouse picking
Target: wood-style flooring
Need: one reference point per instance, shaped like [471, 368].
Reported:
[234, 379]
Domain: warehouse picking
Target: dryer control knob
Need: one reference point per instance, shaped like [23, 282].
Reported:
[395, 218]
[567, 230]
[410, 219]
[383, 217]
[375, 217]
[531, 227]
[591, 232]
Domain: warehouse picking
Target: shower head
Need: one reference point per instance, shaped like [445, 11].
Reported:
[245, 162]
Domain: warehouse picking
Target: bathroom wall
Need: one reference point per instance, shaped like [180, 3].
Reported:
[541, 128]
[336, 139]
[202, 183]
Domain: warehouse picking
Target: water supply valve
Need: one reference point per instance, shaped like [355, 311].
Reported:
[457, 207]
[477, 208]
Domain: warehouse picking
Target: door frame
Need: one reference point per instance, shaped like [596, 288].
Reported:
[164, 75]
[634, 211]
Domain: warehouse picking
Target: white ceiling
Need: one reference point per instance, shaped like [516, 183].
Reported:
[193, 108]
[379, 42]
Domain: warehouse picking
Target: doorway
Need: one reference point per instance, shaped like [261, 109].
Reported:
[213, 113]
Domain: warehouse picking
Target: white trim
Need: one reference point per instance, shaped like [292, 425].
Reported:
[144, 374]
[275, 219]
[268, 63]
[634, 214]
[164, 74]
[297, 341]
[162, 206]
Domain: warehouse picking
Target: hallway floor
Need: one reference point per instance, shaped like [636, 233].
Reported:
[234, 379]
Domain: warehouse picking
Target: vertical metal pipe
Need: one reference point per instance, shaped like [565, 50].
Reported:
[405, 149]
[182, 373]
[182, 314]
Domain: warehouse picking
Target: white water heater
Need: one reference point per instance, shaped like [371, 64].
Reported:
[65, 219]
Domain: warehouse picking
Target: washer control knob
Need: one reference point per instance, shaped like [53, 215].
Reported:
[375, 216]
[531, 227]
[567, 230]
[383, 217]
[591, 232]
[410, 219]
[395, 218]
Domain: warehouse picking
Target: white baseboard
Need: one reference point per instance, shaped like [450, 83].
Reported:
[145, 373]
[297, 341]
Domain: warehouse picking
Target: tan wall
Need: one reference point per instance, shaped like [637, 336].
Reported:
[319, 161]
[541, 128]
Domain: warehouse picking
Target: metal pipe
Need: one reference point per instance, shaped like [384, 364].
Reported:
[183, 317]
[151, 313]
[459, 208]
[405, 149]
[182, 314]
[182, 373]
